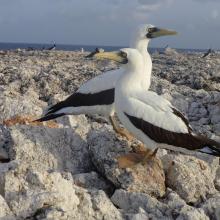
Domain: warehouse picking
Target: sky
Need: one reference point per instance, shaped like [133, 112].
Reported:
[110, 22]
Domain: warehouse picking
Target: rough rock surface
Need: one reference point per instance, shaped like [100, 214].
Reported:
[173, 207]
[70, 171]
[212, 207]
[148, 178]
[191, 178]
[217, 179]
[5, 212]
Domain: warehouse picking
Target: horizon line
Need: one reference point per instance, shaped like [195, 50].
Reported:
[86, 45]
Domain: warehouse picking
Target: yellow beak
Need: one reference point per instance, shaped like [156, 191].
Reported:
[114, 55]
[162, 32]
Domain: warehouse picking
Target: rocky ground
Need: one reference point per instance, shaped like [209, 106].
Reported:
[68, 169]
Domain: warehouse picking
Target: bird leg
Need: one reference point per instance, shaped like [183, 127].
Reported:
[149, 156]
[140, 148]
[141, 155]
[122, 131]
[129, 160]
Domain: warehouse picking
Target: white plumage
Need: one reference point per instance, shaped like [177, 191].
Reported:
[151, 108]
[131, 98]
[102, 82]
[96, 96]
[148, 116]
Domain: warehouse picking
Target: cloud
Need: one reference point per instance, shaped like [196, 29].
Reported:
[215, 14]
[148, 2]
[108, 22]
[134, 10]
[206, 1]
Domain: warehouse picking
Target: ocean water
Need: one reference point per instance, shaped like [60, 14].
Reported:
[13, 46]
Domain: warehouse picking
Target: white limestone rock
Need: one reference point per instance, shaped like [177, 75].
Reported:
[191, 178]
[46, 195]
[26, 196]
[13, 104]
[193, 215]
[212, 207]
[172, 207]
[217, 179]
[93, 180]
[51, 168]
[42, 148]
[5, 212]
[105, 149]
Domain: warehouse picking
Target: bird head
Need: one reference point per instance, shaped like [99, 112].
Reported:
[128, 56]
[149, 31]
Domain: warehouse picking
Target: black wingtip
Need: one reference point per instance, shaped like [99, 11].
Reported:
[49, 117]
[211, 151]
[4, 160]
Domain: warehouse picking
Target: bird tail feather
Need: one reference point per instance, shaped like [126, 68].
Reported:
[49, 117]
[211, 147]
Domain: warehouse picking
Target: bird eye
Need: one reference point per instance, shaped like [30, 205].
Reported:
[150, 30]
[123, 54]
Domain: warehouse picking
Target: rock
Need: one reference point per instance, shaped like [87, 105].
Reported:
[39, 191]
[217, 128]
[217, 179]
[43, 148]
[15, 104]
[103, 208]
[173, 207]
[191, 178]
[4, 157]
[105, 149]
[212, 207]
[4, 169]
[92, 180]
[48, 171]
[204, 121]
[178, 208]
[132, 202]
[138, 216]
[95, 205]
[215, 118]
[46, 195]
[5, 212]
[193, 215]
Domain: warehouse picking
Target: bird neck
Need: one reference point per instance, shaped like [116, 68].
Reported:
[141, 46]
[131, 80]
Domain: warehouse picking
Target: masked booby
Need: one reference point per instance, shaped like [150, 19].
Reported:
[96, 96]
[149, 117]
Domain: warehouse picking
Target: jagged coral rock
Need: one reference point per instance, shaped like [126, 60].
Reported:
[45, 159]
[105, 149]
[173, 207]
[190, 177]
[5, 212]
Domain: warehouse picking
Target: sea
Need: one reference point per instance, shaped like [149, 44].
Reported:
[66, 47]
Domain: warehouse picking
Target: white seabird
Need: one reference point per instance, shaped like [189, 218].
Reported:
[149, 117]
[96, 96]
